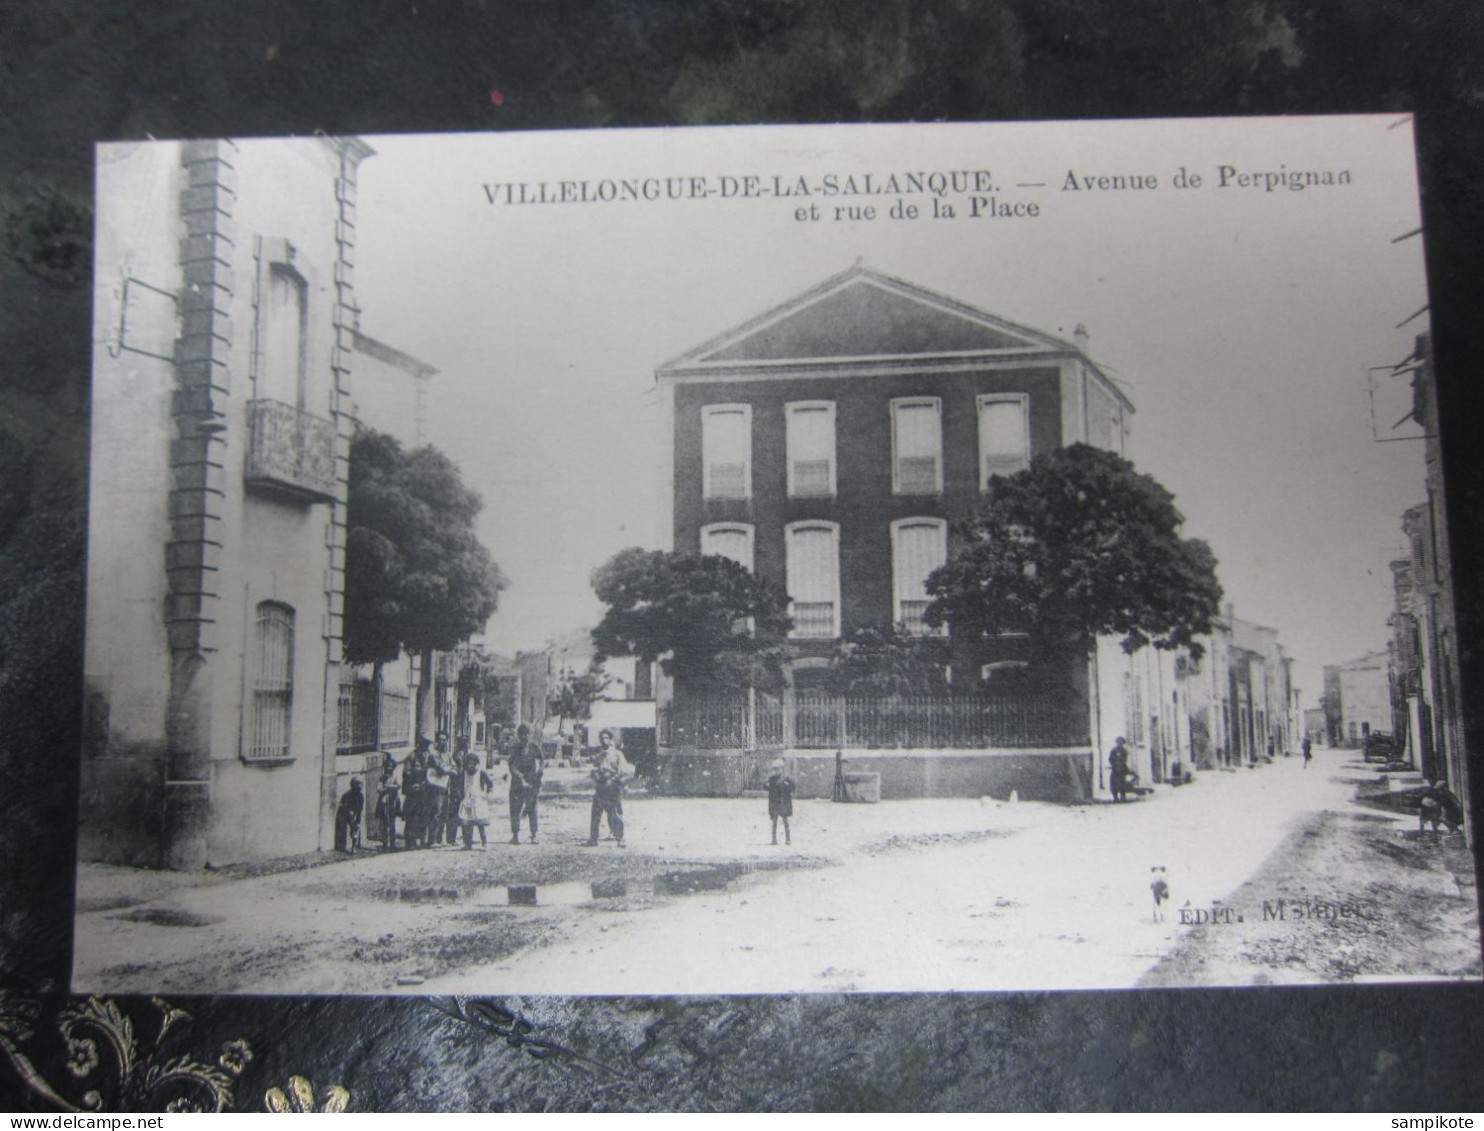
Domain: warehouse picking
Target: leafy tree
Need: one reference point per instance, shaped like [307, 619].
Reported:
[882, 660]
[574, 696]
[692, 612]
[416, 575]
[1079, 545]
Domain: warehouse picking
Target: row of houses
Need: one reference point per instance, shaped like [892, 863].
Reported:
[1410, 691]
[1426, 693]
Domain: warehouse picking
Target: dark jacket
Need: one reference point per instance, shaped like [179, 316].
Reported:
[526, 763]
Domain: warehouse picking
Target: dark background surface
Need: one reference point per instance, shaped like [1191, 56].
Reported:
[73, 72]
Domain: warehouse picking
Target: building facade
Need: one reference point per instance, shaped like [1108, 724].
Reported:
[1358, 698]
[223, 723]
[1426, 691]
[831, 444]
[1232, 706]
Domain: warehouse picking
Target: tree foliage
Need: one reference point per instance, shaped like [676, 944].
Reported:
[882, 660]
[575, 695]
[1079, 545]
[416, 575]
[692, 612]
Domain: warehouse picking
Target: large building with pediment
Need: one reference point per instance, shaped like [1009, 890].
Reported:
[832, 442]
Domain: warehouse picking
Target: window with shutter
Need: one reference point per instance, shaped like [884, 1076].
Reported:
[732, 541]
[726, 451]
[1004, 435]
[272, 684]
[281, 369]
[917, 446]
[918, 546]
[810, 427]
[812, 562]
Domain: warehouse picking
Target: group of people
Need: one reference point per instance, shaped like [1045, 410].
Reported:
[440, 797]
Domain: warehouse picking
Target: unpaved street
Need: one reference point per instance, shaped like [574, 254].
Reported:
[905, 895]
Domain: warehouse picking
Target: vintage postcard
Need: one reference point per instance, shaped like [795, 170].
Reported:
[766, 560]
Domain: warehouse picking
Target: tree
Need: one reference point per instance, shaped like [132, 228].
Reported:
[882, 660]
[416, 575]
[574, 696]
[711, 623]
[1080, 545]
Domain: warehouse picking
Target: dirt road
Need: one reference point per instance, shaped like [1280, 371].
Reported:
[909, 895]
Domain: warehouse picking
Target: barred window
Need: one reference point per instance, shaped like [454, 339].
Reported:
[272, 684]
[726, 451]
[918, 546]
[1004, 435]
[810, 427]
[917, 446]
[812, 553]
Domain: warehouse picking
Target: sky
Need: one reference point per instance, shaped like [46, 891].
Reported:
[1241, 319]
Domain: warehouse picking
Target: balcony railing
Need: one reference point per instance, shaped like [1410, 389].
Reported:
[813, 620]
[291, 452]
[812, 477]
[727, 481]
[912, 622]
[917, 475]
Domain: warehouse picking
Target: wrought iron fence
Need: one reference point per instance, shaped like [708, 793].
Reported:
[733, 722]
[396, 718]
[369, 717]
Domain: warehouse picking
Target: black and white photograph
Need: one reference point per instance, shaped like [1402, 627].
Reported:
[838, 559]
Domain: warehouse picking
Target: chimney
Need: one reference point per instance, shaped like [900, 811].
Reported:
[1081, 337]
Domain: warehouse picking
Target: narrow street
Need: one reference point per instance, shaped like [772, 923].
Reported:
[906, 895]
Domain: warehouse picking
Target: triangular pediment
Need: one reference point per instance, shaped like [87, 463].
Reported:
[862, 314]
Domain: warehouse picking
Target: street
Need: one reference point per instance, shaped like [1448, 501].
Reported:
[927, 895]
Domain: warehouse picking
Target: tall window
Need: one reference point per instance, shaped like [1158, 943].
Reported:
[811, 448]
[812, 562]
[272, 683]
[726, 451]
[918, 546]
[730, 540]
[917, 446]
[1004, 435]
[281, 320]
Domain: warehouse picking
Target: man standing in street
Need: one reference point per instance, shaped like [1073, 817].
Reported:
[526, 766]
[414, 786]
[609, 775]
[1118, 770]
[435, 791]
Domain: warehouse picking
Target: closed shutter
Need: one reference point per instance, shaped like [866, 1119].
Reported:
[726, 449]
[272, 684]
[917, 435]
[813, 565]
[811, 448]
[1004, 443]
[733, 542]
[919, 546]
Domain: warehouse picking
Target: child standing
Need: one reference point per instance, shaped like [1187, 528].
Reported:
[780, 800]
[474, 805]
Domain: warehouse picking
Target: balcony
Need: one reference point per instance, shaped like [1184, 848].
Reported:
[290, 453]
